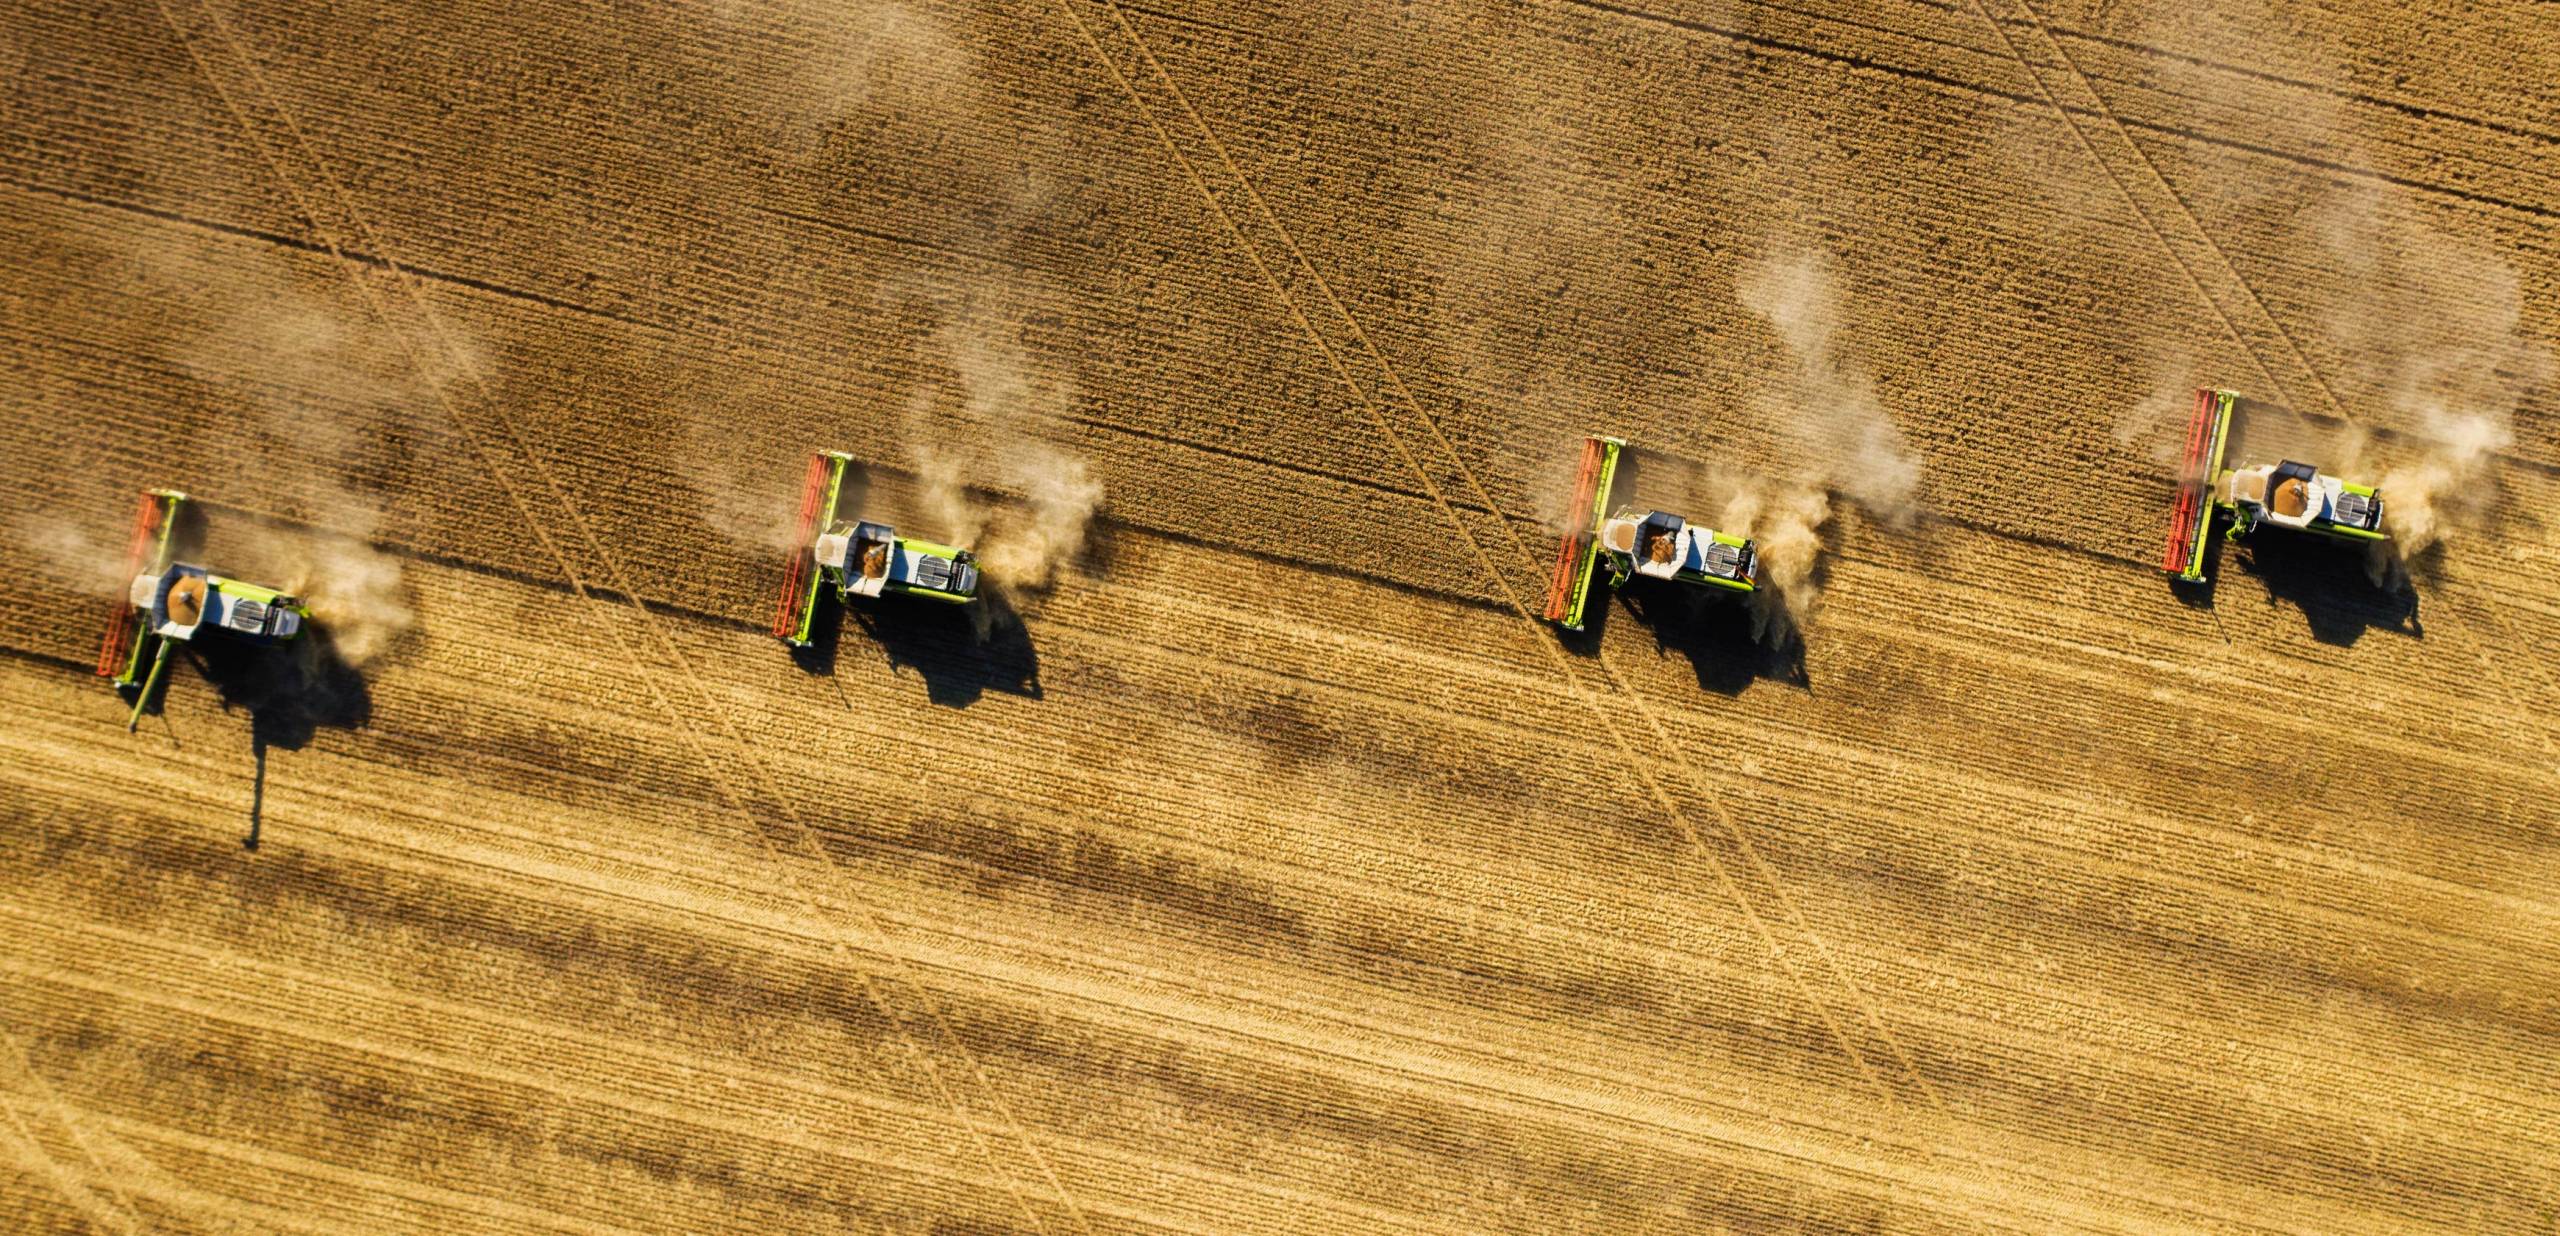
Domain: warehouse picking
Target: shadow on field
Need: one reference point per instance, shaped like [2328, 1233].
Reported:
[2328, 582]
[2199, 595]
[292, 691]
[1713, 630]
[960, 651]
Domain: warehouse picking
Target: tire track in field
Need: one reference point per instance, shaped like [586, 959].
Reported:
[1957, 8]
[1213, 201]
[2250, 346]
[1104, 424]
[715, 658]
[148, 980]
[1962, 85]
[119, 1167]
[359, 257]
[1424, 588]
[1086, 996]
[116, 1210]
[1421, 1071]
[1375, 405]
[1419, 1082]
[437, 330]
[463, 1079]
[411, 1204]
[1370, 405]
[116, 1215]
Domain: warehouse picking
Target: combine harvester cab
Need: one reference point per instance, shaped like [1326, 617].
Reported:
[2286, 494]
[167, 603]
[1654, 544]
[865, 559]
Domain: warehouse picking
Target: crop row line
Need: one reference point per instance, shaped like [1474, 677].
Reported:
[1374, 401]
[463, 362]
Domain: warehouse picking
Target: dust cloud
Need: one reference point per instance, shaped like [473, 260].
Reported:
[1852, 447]
[2439, 338]
[69, 554]
[327, 395]
[2444, 484]
[845, 59]
[1007, 403]
[759, 512]
[1841, 441]
[1785, 522]
[1048, 531]
[884, 82]
[333, 392]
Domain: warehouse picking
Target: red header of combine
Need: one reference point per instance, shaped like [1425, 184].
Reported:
[149, 519]
[2192, 511]
[797, 566]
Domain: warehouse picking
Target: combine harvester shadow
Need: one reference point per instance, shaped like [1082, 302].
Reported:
[2333, 589]
[959, 655]
[919, 602]
[291, 692]
[2330, 584]
[1716, 636]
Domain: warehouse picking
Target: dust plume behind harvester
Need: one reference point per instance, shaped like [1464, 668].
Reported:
[168, 602]
[861, 558]
[1655, 544]
[2284, 494]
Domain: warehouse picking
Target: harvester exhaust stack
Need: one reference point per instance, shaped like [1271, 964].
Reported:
[1569, 587]
[2199, 469]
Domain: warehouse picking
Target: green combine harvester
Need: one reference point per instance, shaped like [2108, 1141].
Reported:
[168, 602]
[2286, 494]
[863, 558]
[1655, 544]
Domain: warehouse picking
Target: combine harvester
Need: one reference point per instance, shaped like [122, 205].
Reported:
[864, 559]
[1654, 544]
[168, 602]
[2285, 494]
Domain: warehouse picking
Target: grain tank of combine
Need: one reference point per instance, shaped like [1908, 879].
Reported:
[167, 603]
[861, 558]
